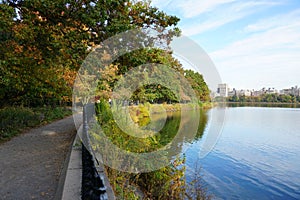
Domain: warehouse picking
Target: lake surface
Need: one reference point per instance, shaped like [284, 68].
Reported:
[257, 155]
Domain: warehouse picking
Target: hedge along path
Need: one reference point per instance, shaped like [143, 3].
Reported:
[32, 162]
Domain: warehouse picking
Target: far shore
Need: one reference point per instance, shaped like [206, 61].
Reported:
[258, 104]
[284, 103]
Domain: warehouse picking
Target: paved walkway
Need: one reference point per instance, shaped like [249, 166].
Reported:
[31, 163]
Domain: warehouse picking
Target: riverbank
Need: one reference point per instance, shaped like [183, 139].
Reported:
[165, 183]
[141, 113]
[159, 108]
[259, 104]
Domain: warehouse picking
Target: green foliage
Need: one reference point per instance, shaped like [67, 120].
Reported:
[198, 84]
[15, 119]
[144, 56]
[166, 183]
[147, 93]
[202, 123]
[266, 98]
[154, 93]
[43, 43]
[103, 111]
[50, 114]
[118, 137]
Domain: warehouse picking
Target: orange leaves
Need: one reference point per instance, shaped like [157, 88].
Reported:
[18, 49]
[69, 76]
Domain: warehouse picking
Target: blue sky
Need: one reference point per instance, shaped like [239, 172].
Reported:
[253, 43]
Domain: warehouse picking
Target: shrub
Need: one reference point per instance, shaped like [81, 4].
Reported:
[15, 119]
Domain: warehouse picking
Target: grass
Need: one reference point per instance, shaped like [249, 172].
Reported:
[14, 120]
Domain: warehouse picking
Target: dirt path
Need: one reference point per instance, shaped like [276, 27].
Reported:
[30, 164]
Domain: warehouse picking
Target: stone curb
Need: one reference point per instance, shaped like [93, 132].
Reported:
[69, 187]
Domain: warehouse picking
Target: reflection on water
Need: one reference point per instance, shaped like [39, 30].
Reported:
[256, 157]
[202, 124]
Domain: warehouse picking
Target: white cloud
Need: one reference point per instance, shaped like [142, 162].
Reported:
[281, 38]
[272, 54]
[226, 14]
[212, 23]
[273, 22]
[269, 51]
[193, 8]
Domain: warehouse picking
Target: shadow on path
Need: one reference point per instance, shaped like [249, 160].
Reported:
[31, 163]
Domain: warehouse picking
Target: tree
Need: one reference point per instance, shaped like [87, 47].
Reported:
[234, 98]
[198, 84]
[45, 42]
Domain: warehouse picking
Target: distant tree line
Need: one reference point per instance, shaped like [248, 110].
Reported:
[266, 98]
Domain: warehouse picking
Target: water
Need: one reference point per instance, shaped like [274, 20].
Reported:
[257, 155]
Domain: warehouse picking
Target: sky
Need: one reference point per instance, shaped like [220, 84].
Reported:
[252, 43]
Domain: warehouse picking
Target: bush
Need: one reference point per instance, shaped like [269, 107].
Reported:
[13, 119]
[16, 119]
[47, 114]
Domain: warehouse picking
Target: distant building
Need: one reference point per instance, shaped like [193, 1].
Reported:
[257, 93]
[264, 91]
[295, 91]
[232, 93]
[223, 90]
[291, 91]
[246, 93]
[271, 91]
[286, 91]
[235, 92]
